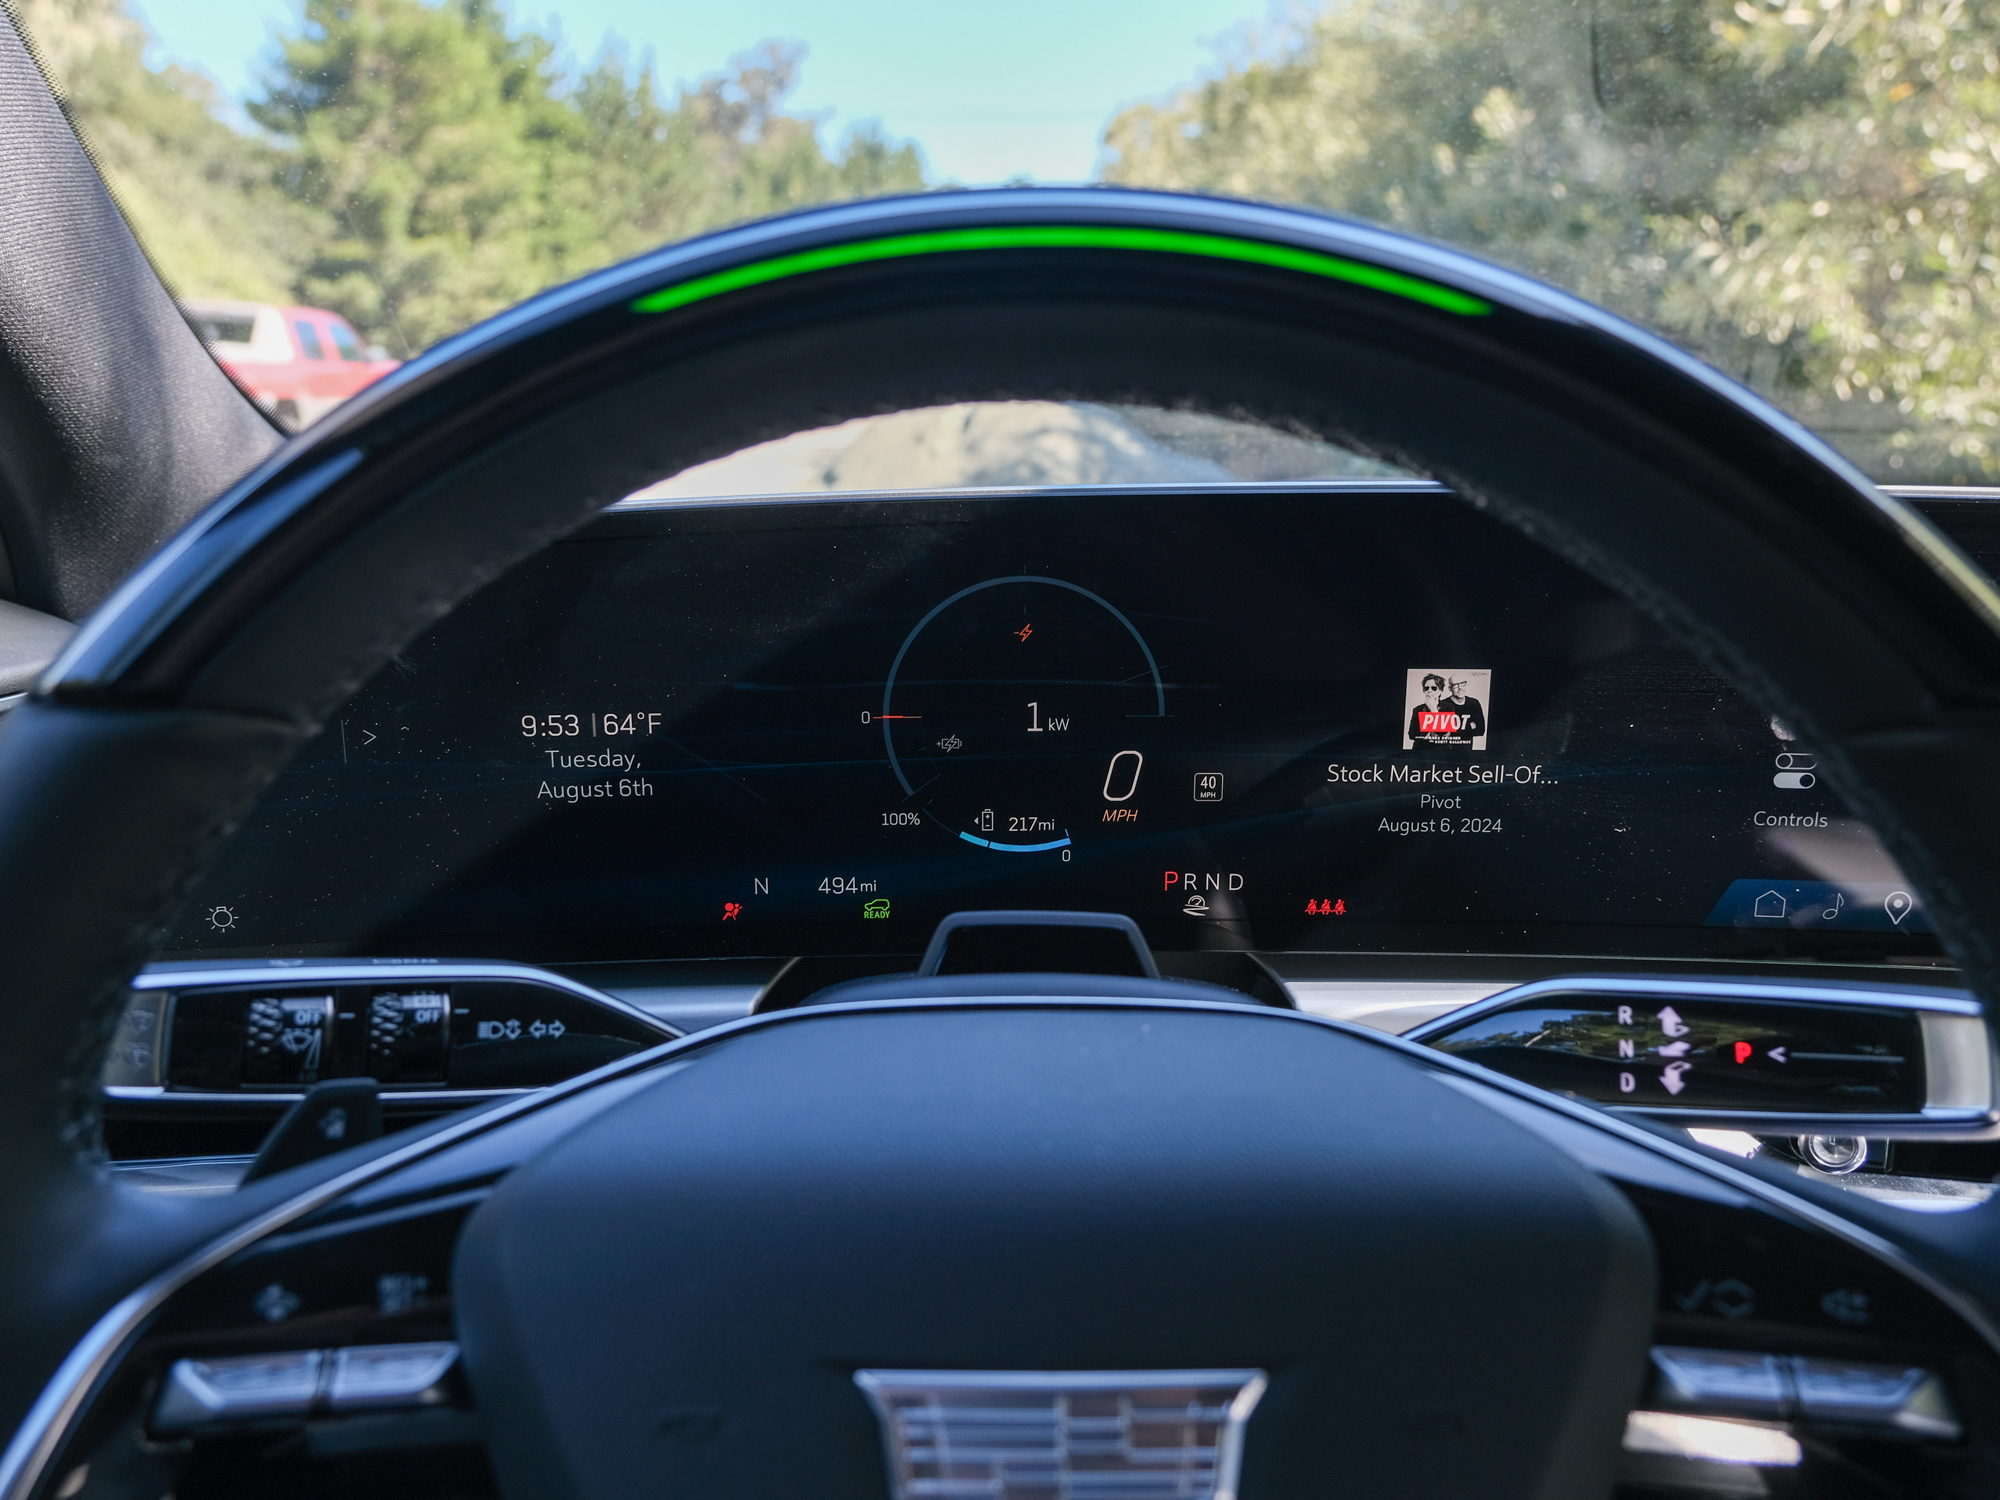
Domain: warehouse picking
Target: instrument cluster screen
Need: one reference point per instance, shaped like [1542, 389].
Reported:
[1349, 719]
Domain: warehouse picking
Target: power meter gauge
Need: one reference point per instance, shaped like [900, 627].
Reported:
[1017, 708]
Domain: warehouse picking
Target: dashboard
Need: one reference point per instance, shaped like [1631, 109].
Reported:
[1336, 717]
[1342, 734]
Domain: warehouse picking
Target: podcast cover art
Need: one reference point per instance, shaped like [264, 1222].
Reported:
[1447, 706]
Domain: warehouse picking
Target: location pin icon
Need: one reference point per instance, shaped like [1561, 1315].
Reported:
[1897, 904]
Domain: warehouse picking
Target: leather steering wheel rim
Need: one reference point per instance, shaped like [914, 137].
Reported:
[1825, 601]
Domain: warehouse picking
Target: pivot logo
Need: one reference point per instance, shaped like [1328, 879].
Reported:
[1443, 721]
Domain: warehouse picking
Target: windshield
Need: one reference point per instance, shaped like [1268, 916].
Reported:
[1803, 194]
[1012, 444]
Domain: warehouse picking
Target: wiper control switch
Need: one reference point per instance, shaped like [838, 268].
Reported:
[285, 1040]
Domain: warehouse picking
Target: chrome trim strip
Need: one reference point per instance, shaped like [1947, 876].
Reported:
[50, 1418]
[1941, 491]
[1941, 1001]
[1344, 485]
[454, 1098]
[1051, 1380]
[1906, 1126]
[1958, 1065]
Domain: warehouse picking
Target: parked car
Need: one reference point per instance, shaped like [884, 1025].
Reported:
[297, 362]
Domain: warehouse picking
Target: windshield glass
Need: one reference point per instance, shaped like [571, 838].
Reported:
[1803, 194]
[1014, 444]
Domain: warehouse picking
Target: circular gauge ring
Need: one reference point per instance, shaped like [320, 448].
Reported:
[889, 686]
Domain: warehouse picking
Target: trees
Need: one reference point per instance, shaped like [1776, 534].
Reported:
[204, 199]
[435, 145]
[1804, 193]
[725, 151]
[461, 172]
[424, 164]
[1867, 232]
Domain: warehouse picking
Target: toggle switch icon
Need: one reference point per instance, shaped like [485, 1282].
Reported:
[1795, 771]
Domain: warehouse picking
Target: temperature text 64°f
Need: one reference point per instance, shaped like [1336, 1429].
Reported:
[637, 723]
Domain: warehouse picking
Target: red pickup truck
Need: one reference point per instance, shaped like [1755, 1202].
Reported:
[297, 362]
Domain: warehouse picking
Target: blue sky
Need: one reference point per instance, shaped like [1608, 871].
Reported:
[992, 91]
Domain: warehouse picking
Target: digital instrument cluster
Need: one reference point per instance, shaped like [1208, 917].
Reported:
[1351, 717]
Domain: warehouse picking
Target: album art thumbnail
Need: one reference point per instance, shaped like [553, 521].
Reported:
[1447, 706]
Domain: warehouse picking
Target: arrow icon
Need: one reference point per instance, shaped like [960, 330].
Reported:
[1776, 1054]
[1671, 1080]
[369, 736]
[1671, 1022]
[1674, 1049]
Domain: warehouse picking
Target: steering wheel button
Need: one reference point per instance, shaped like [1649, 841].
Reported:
[389, 1375]
[1896, 1396]
[1722, 1380]
[203, 1392]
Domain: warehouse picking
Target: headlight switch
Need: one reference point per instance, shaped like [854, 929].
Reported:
[407, 1032]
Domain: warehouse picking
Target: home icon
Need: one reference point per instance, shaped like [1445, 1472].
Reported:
[1771, 905]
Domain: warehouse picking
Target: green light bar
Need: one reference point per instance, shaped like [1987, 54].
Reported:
[1065, 237]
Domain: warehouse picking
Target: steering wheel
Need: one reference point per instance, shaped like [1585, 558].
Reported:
[676, 1293]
